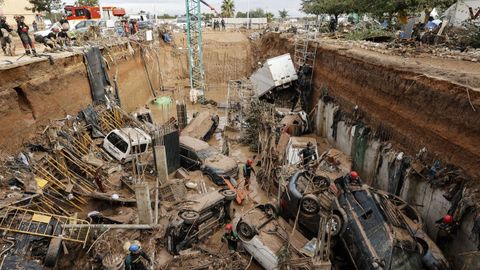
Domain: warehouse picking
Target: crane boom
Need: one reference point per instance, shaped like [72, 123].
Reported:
[210, 7]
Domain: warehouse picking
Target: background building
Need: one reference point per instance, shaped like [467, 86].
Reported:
[10, 8]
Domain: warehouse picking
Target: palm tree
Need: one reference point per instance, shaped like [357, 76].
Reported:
[228, 8]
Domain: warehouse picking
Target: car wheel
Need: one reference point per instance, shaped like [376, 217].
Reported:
[245, 230]
[189, 217]
[53, 252]
[320, 182]
[310, 205]
[230, 195]
[335, 224]
[271, 210]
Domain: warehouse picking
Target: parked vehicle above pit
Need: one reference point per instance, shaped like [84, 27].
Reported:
[123, 144]
[198, 218]
[263, 234]
[196, 154]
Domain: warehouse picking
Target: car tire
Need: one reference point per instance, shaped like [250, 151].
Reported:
[53, 252]
[245, 231]
[189, 217]
[336, 223]
[271, 210]
[310, 205]
[229, 195]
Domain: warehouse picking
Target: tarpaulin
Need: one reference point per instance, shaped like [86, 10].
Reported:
[97, 74]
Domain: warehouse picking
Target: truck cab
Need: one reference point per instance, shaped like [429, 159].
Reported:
[124, 144]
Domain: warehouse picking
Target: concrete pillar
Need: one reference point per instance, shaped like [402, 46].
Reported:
[142, 194]
[181, 115]
[161, 164]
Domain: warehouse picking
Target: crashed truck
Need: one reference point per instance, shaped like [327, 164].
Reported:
[376, 229]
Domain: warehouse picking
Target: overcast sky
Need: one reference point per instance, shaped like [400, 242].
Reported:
[177, 7]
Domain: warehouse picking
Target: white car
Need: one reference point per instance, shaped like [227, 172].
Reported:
[124, 144]
[264, 235]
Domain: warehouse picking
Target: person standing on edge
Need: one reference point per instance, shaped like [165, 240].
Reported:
[223, 24]
[22, 30]
[247, 172]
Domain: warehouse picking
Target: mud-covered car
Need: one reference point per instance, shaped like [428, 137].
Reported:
[263, 235]
[202, 126]
[199, 155]
[198, 218]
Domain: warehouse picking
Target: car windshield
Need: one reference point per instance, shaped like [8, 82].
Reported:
[206, 153]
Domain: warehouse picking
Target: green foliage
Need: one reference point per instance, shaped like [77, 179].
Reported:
[228, 8]
[283, 14]
[87, 3]
[377, 8]
[40, 5]
[269, 16]
[257, 13]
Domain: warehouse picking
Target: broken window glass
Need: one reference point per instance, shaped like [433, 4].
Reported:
[118, 142]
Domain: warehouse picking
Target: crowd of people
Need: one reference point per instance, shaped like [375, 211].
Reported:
[219, 25]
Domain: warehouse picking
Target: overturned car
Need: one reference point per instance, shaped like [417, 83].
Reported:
[198, 218]
[378, 230]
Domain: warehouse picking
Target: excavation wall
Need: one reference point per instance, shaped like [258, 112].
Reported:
[382, 110]
[36, 91]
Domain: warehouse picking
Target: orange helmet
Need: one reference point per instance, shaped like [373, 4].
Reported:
[448, 219]
[228, 227]
[353, 174]
[249, 162]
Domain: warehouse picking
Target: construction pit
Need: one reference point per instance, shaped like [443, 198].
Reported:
[407, 124]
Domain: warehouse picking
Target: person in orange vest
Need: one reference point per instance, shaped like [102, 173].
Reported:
[247, 172]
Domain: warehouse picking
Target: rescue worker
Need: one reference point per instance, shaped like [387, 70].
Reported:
[5, 37]
[50, 41]
[247, 173]
[351, 179]
[22, 30]
[223, 24]
[445, 226]
[133, 261]
[308, 154]
[231, 237]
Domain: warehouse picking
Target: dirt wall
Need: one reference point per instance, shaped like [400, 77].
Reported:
[415, 103]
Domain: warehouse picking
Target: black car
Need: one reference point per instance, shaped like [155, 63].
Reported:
[198, 218]
[378, 230]
[196, 154]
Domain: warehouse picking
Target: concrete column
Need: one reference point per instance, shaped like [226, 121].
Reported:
[161, 164]
[144, 208]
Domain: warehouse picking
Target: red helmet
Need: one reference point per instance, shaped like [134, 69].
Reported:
[448, 219]
[249, 162]
[228, 227]
[353, 174]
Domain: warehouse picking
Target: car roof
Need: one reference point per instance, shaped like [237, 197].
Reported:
[302, 141]
[136, 135]
[193, 143]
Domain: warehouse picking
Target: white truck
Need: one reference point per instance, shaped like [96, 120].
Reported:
[275, 72]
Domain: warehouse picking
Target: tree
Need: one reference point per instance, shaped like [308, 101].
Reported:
[283, 14]
[330, 7]
[41, 5]
[89, 3]
[269, 16]
[228, 8]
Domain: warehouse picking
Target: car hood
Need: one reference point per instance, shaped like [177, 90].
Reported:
[221, 163]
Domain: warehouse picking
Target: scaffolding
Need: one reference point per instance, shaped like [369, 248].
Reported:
[239, 96]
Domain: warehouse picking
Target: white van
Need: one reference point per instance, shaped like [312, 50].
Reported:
[123, 144]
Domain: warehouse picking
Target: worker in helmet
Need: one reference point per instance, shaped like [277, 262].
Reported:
[308, 154]
[247, 173]
[22, 30]
[6, 41]
[231, 237]
[51, 40]
[351, 179]
[445, 226]
[133, 261]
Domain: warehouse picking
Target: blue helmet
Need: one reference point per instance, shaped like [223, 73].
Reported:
[134, 248]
